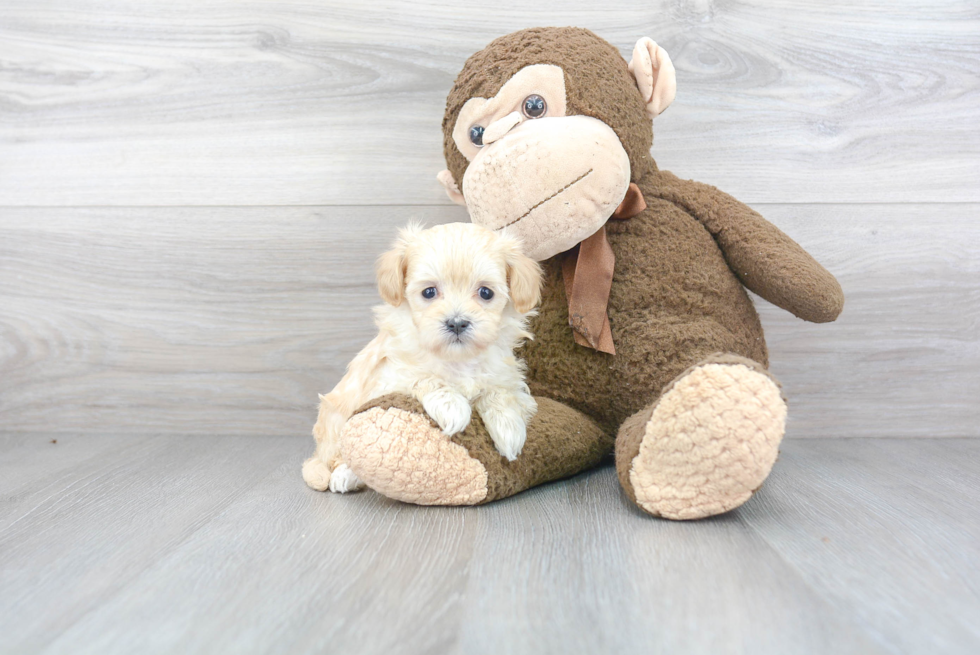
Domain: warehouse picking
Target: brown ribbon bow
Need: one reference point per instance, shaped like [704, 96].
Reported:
[588, 272]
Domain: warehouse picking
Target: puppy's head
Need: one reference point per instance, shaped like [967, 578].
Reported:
[460, 282]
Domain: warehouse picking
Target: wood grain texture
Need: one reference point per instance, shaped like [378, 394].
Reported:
[904, 357]
[899, 507]
[100, 522]
[296, 103]
[852, 546]
[231, 320]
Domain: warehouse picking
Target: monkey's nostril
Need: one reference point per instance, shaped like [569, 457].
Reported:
[457, 325]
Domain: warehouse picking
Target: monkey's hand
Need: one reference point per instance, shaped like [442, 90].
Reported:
[765, 260]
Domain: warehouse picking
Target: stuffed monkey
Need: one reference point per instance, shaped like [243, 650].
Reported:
[646, 343]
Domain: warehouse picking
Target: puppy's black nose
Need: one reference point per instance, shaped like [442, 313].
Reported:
[457, 325]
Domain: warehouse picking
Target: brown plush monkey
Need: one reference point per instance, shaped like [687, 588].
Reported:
[646, 342]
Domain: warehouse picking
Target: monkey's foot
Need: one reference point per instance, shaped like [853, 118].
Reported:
[396, 449]
[707, 444]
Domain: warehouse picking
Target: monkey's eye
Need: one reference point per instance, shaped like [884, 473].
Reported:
[476, 135]
[535, 106]
[429, 293]
[486, 293]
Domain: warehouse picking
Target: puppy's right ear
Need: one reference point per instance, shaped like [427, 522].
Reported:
[391, 269]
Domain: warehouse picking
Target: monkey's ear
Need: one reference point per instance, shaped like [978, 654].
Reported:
[655, 75]
[452, 190]
[391, 269]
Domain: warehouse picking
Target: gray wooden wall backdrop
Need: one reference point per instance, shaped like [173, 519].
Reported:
[192, 194]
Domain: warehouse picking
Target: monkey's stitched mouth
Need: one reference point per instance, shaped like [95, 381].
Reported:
[556, 193]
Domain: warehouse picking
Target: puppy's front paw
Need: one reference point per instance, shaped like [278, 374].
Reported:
[508, 431]
[448, 409]
[343, 480]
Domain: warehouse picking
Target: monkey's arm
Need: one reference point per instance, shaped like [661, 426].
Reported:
[765, 260]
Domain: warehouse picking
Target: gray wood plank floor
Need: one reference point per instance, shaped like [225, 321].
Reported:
[178, 544]
[288, 102]
[191, 198]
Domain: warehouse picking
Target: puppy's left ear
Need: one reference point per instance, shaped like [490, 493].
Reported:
[524, 280]
[391, 269]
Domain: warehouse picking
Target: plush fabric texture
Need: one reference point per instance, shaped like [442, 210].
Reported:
[402, 454]
[765, 260]
[399, 451]
[588, 271]
[697, 416]
[595, 77]
[706, 445]
[649, 63]
[673, 302]
[588, 275]
[548, 81]
[551, 182]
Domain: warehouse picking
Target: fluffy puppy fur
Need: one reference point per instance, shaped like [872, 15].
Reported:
[457, 300]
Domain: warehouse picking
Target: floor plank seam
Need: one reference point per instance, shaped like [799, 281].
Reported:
[195, 527]
[848, 618]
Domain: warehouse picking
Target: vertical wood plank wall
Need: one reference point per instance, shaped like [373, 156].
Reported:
[192, 194]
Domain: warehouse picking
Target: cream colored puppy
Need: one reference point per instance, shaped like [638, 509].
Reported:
[458, 297]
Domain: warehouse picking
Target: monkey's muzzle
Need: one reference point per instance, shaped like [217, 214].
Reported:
[553, 182]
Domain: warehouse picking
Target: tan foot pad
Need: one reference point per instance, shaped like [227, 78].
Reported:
[401, 455]
[711, 442]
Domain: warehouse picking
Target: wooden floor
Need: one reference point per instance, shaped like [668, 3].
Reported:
[113, 544]
[191, 199]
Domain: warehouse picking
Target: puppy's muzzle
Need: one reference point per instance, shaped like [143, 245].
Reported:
[457, 325]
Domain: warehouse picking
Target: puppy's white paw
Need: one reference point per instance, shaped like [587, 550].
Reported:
[343, 480]
[450, 410]
[508, 431]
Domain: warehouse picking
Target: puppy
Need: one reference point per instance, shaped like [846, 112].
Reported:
[458, 297]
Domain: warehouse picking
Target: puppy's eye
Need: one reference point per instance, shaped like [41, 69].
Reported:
[535, 106]
[486, 293]
[476, 135]
[429, 293]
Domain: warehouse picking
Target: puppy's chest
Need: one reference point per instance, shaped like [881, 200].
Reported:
[467, 378]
